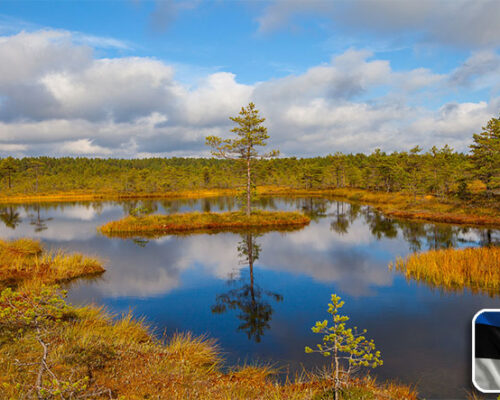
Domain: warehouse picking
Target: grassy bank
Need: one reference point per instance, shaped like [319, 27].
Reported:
[196, 222]
[25, 261]
[49, 350]
[477, 269]
[476, 211]
[71, 196]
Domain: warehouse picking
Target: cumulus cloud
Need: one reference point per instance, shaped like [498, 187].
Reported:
[84, 147]
[463, 23]
[453, 119]
[481, 70]
[58, 98]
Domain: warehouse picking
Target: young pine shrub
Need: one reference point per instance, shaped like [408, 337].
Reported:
[348, 349]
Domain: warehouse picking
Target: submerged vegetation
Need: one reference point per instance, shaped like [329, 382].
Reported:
[203, 222]
[24, 261]
[50, 349]
[455, 269]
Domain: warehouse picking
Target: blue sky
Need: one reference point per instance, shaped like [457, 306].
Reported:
[153, 78]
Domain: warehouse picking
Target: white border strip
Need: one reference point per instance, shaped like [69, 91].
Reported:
[474, 349]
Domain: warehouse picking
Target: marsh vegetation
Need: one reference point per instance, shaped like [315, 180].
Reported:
[26, 262]
[476, 269]
[50, 349]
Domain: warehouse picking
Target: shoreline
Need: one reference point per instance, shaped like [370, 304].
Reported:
[397, 205]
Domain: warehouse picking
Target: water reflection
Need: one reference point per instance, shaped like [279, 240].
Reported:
[314, 208]
[10, 217]
[341, 215]
[247, 297]
[341, 220]
[37, 221]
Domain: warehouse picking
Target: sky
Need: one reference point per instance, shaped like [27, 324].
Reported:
[137, 78]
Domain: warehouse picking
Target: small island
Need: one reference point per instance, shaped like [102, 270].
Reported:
[203, 222]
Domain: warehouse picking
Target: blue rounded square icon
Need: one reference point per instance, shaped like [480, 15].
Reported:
[486, 350]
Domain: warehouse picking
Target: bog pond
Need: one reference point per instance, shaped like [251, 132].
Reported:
[259, 294]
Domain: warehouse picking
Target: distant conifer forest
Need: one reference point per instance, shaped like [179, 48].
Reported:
[439, 171]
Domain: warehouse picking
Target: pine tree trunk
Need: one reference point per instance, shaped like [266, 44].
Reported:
[336, 373]
[248, 188]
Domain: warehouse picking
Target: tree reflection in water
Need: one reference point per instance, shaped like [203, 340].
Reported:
[341, 222]
[255, 312]
[37, 221]
[10, 217]
[314, 207]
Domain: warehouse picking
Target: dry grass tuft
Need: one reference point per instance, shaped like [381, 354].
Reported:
[25, 261]
[455, 269]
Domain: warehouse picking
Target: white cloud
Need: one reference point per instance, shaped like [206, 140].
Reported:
[32, 55]
[452, 121]
[100, 41]
[12, 148]
[463, 23]
[57, 98]
[480, 71]
[83, 147]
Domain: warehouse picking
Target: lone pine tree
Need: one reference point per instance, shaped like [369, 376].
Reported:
[250, 134]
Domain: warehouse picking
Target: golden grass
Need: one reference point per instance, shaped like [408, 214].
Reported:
[70, 196]
[25, 261]
[203, 222]
[477, 269]
[122, 356]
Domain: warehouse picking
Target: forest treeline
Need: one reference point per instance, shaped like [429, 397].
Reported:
[439, 171]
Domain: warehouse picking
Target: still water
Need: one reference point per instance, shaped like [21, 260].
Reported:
[259, 294]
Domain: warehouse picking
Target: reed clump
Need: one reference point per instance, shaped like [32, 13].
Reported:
[25, 261]
[455, 269]
[203, 222]
[91, 354]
